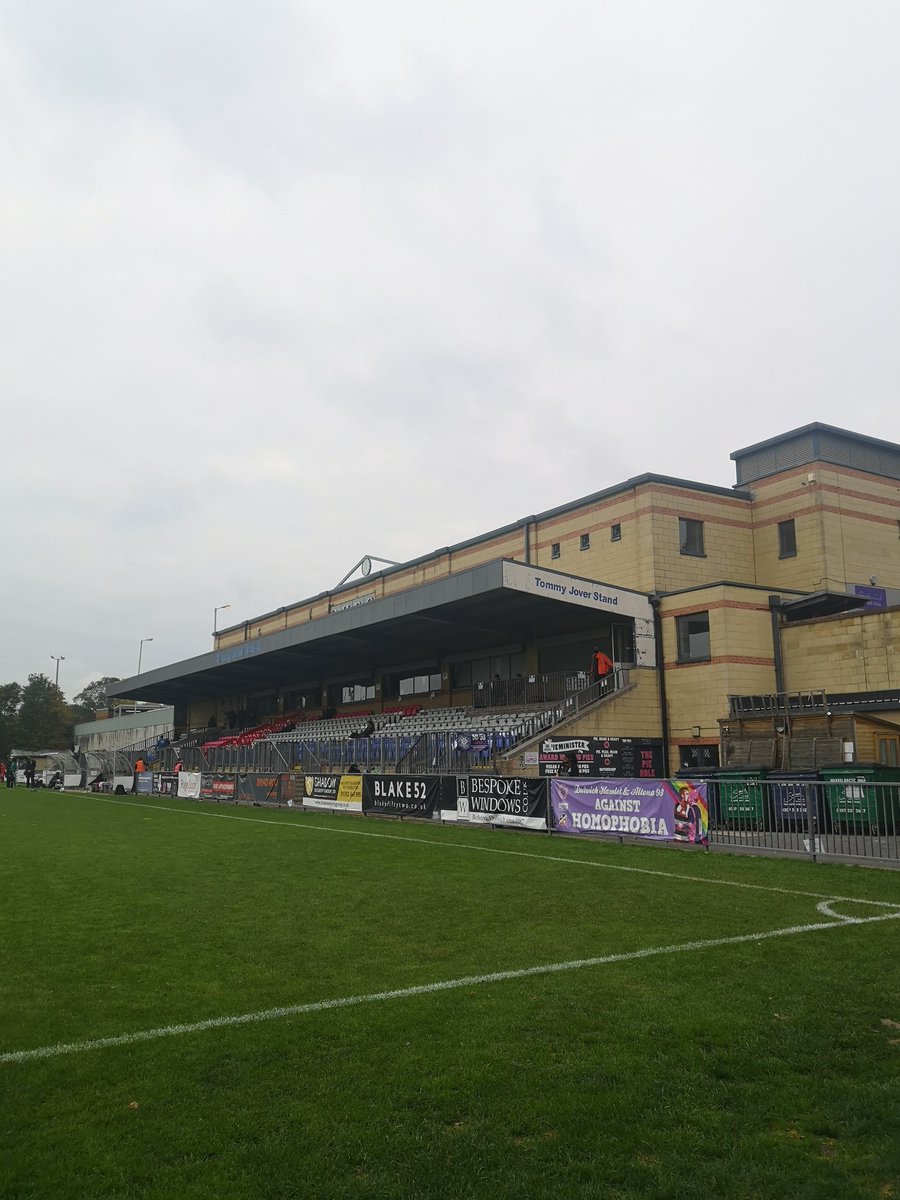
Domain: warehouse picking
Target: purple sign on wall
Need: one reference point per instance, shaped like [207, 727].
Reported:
[875, 597]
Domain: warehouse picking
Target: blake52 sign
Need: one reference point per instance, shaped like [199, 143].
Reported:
[402, 795]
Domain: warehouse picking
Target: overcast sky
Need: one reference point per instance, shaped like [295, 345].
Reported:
[288, 283]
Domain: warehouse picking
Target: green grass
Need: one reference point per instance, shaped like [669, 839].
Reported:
[767, 1068]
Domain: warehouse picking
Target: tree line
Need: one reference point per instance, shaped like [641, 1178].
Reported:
[36, 716]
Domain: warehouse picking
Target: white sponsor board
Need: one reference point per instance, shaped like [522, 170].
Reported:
[340, 793]
[189, 784]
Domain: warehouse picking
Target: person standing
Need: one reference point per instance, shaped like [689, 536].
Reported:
[602, 670]
[569, 764]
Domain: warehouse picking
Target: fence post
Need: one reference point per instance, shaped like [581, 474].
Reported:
[809, 792]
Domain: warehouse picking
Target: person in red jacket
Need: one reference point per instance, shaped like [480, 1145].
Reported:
[602, 670]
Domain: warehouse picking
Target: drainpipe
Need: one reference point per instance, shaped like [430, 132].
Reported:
[775, 610]
[661, 681]
[527, 522]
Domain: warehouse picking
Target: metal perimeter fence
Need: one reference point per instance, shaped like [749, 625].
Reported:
[839, 819]
[839, 815]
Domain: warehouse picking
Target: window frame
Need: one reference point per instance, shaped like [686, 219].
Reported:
[683, 638]
[615, 532]
[787, 544]
[690, 531]
[554, 550]
[584, 542]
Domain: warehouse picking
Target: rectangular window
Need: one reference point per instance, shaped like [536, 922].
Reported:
[787, 539]
[585, 541]
[554, 550]
[461, 674]
[419, 685]
[693, 637]
[615, 533]
[690, 536]
[888, 751]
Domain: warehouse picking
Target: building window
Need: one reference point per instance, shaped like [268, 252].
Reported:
[693, 637]
[615, 533]
[690, 536]
[554, 550]
[418, 685]
[585, 541]
[787, 539]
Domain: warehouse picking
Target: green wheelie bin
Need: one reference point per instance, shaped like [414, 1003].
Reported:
[741, 795]
[863, 797]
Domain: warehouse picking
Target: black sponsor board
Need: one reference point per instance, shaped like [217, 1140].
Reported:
[165, 783]
[321, 787]
[217, 787]
[620, 758]
[402, 795]
[498, 800]
[259, 789]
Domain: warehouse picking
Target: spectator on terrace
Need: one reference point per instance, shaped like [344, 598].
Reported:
[212, 723]
[368, 730]
[353, 769]
[602, 668]
[139, 767]
[179, 766]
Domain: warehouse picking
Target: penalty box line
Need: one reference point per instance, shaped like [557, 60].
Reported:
[555, 858]
[445, 985]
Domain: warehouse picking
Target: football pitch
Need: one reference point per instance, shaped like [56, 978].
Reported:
[208, 1001]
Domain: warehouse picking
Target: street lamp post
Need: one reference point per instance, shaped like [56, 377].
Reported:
[141, 652]
[216, 612]
[59, 658]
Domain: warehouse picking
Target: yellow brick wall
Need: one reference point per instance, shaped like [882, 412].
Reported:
[741, 661]
[846, 525]
[850, 653]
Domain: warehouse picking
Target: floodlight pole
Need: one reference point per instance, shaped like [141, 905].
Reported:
[59, 658]
[216, 612]
[141, 652]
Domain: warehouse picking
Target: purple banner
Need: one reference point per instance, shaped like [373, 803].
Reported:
[662, 809]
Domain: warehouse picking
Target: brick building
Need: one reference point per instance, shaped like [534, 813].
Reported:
[756, 623]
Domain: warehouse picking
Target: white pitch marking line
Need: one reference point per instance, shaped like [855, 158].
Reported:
[584, 862]
[826, 909]
[446, 985]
